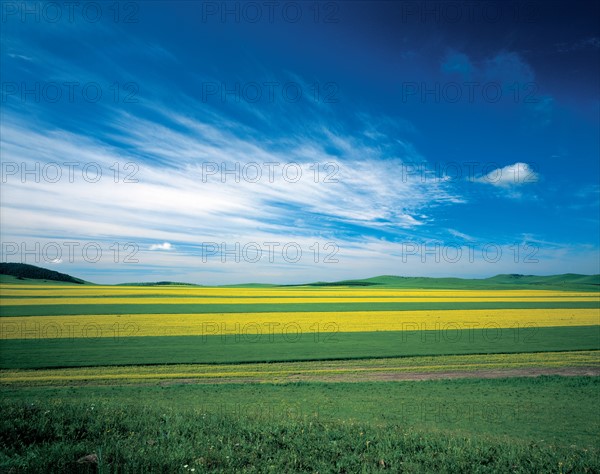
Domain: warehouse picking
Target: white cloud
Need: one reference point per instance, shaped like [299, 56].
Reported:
[460, 235]
[192, 208]
[172, 207]
[163, 246]
[510, 176]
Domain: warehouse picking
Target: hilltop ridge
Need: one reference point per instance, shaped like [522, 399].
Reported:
[21, 273]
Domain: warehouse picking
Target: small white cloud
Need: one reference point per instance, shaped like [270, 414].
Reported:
[460, 235]
[56, 260]
[511, 175]
[163, 246]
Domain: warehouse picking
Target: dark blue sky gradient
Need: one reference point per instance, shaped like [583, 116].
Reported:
[392, 68]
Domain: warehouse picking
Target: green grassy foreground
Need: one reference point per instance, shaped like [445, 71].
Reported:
[548, 424]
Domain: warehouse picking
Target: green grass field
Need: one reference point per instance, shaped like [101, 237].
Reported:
[512, 396]
[549, 424]
[77, 352]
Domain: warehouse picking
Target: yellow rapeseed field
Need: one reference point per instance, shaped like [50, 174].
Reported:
[282, 300]
[98, 291]
[289, 324]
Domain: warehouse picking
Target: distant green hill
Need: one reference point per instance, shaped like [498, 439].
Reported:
[174, 283]
[567, 281]
[158, 283]
[21, 272]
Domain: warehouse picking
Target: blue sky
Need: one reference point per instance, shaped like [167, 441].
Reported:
[406, 138]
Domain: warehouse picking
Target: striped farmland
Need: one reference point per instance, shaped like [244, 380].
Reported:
[63, 326]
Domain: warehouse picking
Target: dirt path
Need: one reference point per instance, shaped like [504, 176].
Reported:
[491, 366]
[494, 373]
[392, 376]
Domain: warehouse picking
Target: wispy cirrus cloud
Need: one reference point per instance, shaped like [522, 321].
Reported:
[163, 246]
[197, 172]
[180, 180]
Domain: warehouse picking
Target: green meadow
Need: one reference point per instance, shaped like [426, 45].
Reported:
[76, 352]
[548, 424]
[502, 399]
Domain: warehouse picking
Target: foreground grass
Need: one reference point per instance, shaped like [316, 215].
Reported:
[549, 424]
[148, 441]
[558, 410]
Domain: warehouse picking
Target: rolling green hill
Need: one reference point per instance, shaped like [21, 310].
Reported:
[22, 272]
[15, 273]
[567, 281]
[157, 283]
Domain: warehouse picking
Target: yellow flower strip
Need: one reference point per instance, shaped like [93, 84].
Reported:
[83, 291]
[286, 323]
[274, 300]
